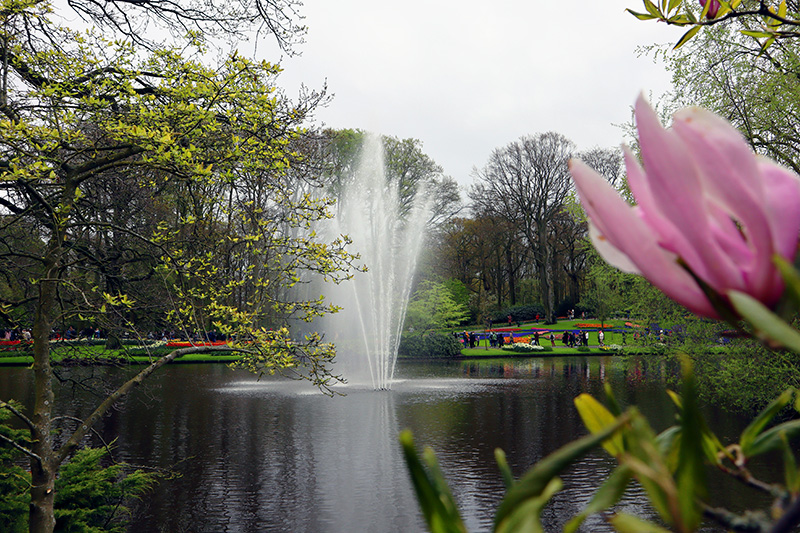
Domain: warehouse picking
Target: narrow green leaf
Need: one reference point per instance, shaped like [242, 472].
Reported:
[791, 278]
[613, 406]
[769, 42]
[688, 35]
[596, 418]
[724, 8]
[768, 324]
[533, 483]
[625, 523]
[791, 475]
[641, 16]
[435, 500]
[771, 439]
[756, 34]
[505, 471]
[711, 443]
[528, 516]
[673, 4]
[608, 495]
[758, 424]
[652, 8]
[690, 475]
[782, 9]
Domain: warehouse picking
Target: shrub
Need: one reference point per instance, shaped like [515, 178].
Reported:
[519, 313]
[583, 349]
[429, 344]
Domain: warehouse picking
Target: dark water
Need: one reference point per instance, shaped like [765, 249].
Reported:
[279, 456]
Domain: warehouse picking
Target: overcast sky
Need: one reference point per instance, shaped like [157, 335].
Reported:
[470, 76]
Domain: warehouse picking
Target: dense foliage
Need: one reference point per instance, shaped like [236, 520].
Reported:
[431, 344]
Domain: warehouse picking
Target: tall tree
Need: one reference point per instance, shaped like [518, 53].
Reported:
[526, 183]
[147, 185]
[407, 165]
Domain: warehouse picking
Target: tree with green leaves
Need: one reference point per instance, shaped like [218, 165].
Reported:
[767, 22]
[141, 187]
[433, 307]
[407, 165]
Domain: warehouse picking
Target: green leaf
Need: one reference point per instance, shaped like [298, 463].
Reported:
[435, 500]
[596, 418]
[756, 34]
[536, 480]
[768, 324]
[791, 475]
[613, 406]
[673, 4]
[690, 475]
[688, 35]
[625, 523]
[641, 16]
[505, 471]
[754, 429]
[528, 516]
[791, 278]
[652, 8]
[771, 438]
[608, 495]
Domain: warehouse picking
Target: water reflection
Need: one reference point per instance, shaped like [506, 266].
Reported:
[278, 456]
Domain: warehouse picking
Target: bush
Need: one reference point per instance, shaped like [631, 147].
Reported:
[429, 344]
[519, 313]
[583, 349]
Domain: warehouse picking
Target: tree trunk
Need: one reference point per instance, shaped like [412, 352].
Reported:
[545, 276]
[512, 286]
[43, 466]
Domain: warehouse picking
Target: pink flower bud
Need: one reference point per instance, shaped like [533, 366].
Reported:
[707, 208]
[712, 9]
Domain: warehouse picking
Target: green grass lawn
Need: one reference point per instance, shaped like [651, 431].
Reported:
[101, 355]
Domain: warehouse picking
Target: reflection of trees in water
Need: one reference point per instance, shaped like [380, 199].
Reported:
[264, 456]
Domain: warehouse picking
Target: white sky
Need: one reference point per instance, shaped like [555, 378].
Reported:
[467, 77]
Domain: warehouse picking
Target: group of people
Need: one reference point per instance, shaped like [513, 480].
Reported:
[15, 334]
[496, 339]
[581, 338]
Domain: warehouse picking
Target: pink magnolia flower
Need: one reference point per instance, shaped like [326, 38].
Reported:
[705, 202]
[712, 9]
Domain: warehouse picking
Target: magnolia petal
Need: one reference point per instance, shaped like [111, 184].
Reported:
[676, 184]
[727, 234]
[610, 253]
[782, 188]
[623, 232]
[731, 178]
[668, 235]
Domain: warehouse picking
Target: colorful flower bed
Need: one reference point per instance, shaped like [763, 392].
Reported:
[524, 347]
[187, 344]
[586, 325]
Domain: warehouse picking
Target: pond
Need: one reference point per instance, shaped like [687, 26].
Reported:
[274, 455]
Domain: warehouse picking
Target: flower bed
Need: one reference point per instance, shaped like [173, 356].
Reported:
[586, 325]
[187, 344]
[524, 347]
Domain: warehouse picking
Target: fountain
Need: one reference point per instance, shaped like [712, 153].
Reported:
[367, 330]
